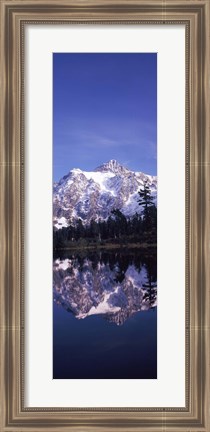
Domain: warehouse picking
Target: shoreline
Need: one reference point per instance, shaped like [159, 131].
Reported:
[110, 246]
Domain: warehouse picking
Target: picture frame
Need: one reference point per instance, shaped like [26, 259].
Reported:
[194, 15]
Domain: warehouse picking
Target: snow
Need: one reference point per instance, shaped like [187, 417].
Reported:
[99, 178]
[63, 265]
[76, 170]
[137, 279]
[102, 308]
[113, 298]
[131, 206]
[116, 187]
[61, 222]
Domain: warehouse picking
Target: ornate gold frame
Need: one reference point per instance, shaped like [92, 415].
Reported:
[195, 15]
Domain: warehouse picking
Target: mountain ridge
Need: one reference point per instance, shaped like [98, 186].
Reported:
[94, 194]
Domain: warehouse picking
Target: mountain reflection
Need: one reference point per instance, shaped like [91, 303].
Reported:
[114, 285]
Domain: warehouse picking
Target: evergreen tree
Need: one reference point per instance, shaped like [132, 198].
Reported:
[120, 222]
[80, 229]
[146, 200]
[116, 229]
[94, 229]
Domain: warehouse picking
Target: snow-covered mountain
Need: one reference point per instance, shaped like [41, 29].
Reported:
[93, 195]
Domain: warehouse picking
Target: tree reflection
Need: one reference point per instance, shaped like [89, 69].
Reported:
[115, 285]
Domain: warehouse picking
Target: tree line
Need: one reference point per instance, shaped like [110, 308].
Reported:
[116, 229]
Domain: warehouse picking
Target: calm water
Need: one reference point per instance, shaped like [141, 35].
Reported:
[105, 315]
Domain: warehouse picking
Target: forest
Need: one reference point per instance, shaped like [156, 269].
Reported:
[117, 230]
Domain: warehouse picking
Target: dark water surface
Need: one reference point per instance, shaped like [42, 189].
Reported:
[105, 315]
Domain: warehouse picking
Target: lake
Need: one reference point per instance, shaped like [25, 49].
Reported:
[105, 315]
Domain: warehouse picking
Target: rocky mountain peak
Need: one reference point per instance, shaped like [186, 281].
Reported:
[111, 166]
[88, 195]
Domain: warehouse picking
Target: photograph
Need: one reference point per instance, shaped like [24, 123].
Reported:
[105, 216]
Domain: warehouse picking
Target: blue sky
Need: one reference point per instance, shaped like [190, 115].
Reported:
[104, 107]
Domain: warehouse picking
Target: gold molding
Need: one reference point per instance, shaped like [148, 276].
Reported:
[15, 15]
